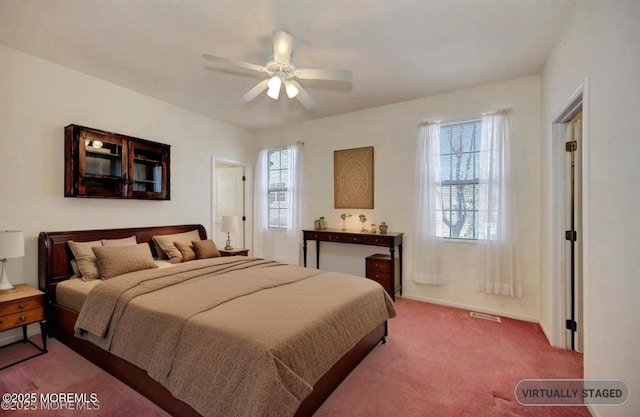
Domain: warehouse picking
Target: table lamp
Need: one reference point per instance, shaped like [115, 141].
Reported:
[229, 225]
[11, 246]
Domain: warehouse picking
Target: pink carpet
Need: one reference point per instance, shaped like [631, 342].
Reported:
[440, 362]
[437, 362]
[63, 371]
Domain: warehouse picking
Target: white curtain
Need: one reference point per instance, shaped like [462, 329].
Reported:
[496, 210]
[281, 245]
[427, 256]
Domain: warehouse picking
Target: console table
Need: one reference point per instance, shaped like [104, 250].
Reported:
[388, 240]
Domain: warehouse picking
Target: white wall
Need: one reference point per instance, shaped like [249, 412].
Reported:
[601, 44]
[392, 130]
[38, 98]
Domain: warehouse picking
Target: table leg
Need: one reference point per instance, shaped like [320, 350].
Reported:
[400, 260]
[304, 251]
[43, 331]
[317, 254]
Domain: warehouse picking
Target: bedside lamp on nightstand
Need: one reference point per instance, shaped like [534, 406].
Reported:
[11, 246]
[229, 225]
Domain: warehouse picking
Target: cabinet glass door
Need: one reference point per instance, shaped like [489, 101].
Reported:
[148, 165]
[101, 165]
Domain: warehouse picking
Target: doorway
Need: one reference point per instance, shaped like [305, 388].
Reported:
[230, 198]
[573, 232]
[568, 253]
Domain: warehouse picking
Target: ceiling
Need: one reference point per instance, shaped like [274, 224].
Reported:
[398, 50]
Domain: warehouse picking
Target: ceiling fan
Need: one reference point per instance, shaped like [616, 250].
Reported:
[281, 71]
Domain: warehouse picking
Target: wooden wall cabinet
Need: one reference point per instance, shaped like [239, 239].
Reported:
[110, 165]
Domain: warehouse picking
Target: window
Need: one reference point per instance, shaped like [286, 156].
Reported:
[278, 185]
[457, 216]
[464, 190]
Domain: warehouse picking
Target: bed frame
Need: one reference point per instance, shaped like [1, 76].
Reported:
[54, 258]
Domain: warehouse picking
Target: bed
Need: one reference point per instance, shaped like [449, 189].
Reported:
[310, 390]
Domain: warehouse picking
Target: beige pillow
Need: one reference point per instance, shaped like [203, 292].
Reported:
[127, 241]
[118, 260]
[75, 269]
[88, 267]
[166, 244]
[186, 249]
[159, 253]
[85, 258]
[205, 249]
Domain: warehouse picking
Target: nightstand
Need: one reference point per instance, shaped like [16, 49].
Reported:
[19, 309]
[234, 252]
[385, 271]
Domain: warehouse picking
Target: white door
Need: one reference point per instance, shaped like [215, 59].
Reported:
[230, 202]
[573, 228]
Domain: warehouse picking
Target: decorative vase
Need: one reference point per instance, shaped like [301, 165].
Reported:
[383, 228]
[373, 228]
[363, 220]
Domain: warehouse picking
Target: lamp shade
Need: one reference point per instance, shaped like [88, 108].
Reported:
[11, 244]
[229, 224]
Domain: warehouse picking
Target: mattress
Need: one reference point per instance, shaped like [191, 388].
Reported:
[73, 292]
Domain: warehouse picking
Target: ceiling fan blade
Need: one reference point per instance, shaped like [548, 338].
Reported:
[253, 93]
[234, 62]
[323, 74]
[282, 43]
[303, 97]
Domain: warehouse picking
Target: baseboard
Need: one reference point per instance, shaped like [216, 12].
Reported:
[13, 335]
[473, 308]
[545, 332]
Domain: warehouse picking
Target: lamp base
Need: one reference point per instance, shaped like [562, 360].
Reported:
[5, 285]
[228, 243]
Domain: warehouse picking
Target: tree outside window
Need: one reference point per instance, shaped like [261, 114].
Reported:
[459, 183]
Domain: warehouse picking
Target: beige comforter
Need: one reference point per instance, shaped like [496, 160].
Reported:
[234, 336]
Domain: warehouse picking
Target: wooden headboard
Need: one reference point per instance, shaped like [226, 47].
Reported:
[54, 255]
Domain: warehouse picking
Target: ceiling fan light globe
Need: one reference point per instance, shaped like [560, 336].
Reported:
[274, 83]
[291, 90]
[274, 87]
[274, 94]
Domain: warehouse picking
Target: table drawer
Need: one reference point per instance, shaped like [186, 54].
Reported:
[20, 305]
[346, 238]
[20, 319]
[378, 240]
[315, 235]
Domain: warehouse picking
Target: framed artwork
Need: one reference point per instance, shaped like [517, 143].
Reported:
[353, 178]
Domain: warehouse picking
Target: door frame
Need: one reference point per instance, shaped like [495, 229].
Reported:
[248, 200]
[556, 249]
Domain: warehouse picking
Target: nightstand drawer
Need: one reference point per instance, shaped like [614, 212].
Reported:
[379, 275]
[20, 305]
[379, 265]
[386, 285]
[20, 319]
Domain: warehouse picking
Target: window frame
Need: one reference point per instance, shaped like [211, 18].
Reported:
[278, 191]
